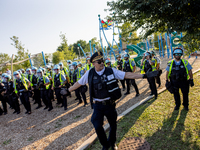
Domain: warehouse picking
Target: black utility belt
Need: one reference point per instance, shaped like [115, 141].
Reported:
[179, 79]
[106, 102]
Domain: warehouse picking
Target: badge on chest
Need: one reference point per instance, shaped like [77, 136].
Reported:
[110, 77]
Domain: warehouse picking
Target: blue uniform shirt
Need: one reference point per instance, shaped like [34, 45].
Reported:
[62, 77]
[189, 67]
[132, 62]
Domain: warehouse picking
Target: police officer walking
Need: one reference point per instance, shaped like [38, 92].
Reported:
[50, 75]
[36, 92]
[59, 82]
[148, 65]
[76, 76]
[43, 85]
[129, 66]
[7, 93]
[158, 62]
[179, 73]
[3, 92]
[21, 85]
[63, 69]
[104, 91]
[88, 64]
[118, 64]
[11, 95]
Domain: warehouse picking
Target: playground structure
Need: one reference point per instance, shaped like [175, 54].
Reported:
[166, 42]
[171, 41]
[107, 26]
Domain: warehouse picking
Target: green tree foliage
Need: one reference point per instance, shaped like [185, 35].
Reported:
[161, 16]
[96, 42]
[155, 38]
[76, 48]
[4, 58]
[63, 52]
[127, 35]
[21, 54]
[85, 46]
[58, 57]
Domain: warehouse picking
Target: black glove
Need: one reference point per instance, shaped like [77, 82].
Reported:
[191, 82]
[167, 84]
[169, 87]
[150, 74]
[68, 93]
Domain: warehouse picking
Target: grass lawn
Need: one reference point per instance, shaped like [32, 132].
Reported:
[162, 126]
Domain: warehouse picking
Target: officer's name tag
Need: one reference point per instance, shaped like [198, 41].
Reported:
[110, 77]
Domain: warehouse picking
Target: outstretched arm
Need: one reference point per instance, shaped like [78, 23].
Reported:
[74, 87]
[131, 75]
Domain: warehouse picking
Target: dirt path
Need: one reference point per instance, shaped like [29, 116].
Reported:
[61, 129]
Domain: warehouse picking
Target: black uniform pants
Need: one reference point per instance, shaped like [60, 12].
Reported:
[184, 86]
[15, 102]
[51, 94]
[37, 97]
[1, 111]
[134, 85]
[123, 83]
[79, 93]
[60, 99]
[158, 81]
[24, 97]
[4, 99]
[97, 119]
[10, 102]
[152, 85]
[45, 98]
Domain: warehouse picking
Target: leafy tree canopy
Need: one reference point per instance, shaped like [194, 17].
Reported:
[63, 52]
[127, 36]
[85, 46]
[4, 58]
[21, 54]
[160, 16]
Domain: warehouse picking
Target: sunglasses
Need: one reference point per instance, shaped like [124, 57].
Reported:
[178, 54]
[100, 61]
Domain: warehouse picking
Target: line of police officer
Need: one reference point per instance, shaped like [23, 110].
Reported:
[41, 85]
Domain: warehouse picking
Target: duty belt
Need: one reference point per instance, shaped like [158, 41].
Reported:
[106, 102]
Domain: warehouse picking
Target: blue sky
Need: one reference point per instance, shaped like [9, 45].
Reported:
[38, 23]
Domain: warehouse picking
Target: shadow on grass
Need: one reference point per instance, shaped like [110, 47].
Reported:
[170, 135]
[125, 126]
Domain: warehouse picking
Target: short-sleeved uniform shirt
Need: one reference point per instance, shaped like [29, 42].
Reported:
[177, 63]
[62, 77]
[25, 80]
[117, 73]
[132, 62]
